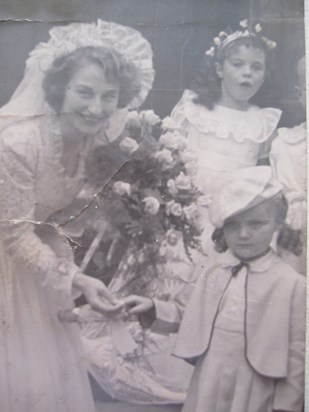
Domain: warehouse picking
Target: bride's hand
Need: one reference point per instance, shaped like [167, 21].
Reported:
[137, 305]
[97, 294]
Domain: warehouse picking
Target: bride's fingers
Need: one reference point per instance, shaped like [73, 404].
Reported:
[136, 310]
[105, 308]
[132, 300]
[105, 293]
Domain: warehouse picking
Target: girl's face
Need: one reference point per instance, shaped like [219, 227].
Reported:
[242, 73]
[249, 233]
[89, 101]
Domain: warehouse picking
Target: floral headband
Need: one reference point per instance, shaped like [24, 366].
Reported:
[223, 38]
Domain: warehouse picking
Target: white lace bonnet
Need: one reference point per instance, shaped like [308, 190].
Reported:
[29, 99]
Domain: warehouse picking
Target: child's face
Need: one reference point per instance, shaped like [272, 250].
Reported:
[242, 73]
[249, 234]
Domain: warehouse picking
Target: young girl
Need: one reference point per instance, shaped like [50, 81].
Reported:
[224, 129]
[243, 326]
[288, 160]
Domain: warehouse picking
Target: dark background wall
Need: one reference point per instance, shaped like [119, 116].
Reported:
[179, 30]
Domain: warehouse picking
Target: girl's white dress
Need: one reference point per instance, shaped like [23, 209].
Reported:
[224, 139]
[42, 365]
[288, 158]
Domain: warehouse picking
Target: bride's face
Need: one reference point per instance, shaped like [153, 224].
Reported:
[90, 99]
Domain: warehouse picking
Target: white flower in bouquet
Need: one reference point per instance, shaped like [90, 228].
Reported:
[203, 200]
[183, 182]
[122, 188]
[152, 205]
[258, 28]
[190, 162]
[191, 213]
[173, 208]
[129, 145]
[187, 156]
[244, 23]
[172, 237]
[217, 41]
[168, 123]
[133, 119]
[133, 259]
[164, 156]
[149, 117]
[173, 141]
[171, 185]
[191, 168]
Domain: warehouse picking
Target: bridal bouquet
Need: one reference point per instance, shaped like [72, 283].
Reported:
[151, 197]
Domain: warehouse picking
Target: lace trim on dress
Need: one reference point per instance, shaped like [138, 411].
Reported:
[51, 129]
[256, 124]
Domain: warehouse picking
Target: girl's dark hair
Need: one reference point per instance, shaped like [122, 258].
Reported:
[207, 84]
[114, 67]
[288, 238]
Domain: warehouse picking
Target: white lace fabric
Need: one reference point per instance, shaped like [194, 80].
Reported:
[34, 185]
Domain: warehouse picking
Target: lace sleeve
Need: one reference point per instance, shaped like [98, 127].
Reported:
[19, 154]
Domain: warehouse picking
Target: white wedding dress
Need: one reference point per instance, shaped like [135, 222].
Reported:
[42, 363]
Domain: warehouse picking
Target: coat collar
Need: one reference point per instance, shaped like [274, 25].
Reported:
[258, 265]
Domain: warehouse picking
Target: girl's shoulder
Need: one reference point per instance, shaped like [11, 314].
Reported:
[257, 124]
[291, 136]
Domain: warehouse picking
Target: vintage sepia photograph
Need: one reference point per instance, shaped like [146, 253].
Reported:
[153, 206]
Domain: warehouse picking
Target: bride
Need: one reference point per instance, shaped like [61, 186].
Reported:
[74, 86]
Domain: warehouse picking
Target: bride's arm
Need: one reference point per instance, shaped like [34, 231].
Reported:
[20, 147]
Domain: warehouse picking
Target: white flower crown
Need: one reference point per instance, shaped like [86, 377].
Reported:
[223, 38]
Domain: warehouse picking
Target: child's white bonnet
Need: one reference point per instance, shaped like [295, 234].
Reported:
[243, 190]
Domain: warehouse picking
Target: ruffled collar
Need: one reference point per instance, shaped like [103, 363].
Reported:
[293, 135]
[258, 265]
[255, 124]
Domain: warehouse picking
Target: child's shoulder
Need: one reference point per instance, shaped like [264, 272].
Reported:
[287, 273]
[256, 124]
[291, 136]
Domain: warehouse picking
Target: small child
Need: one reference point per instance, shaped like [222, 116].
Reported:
[224, 129]
[244, 324]
[288, 160]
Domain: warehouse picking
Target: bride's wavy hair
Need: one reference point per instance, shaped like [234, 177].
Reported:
[114, 66]
[288, 238]
[207, 84]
